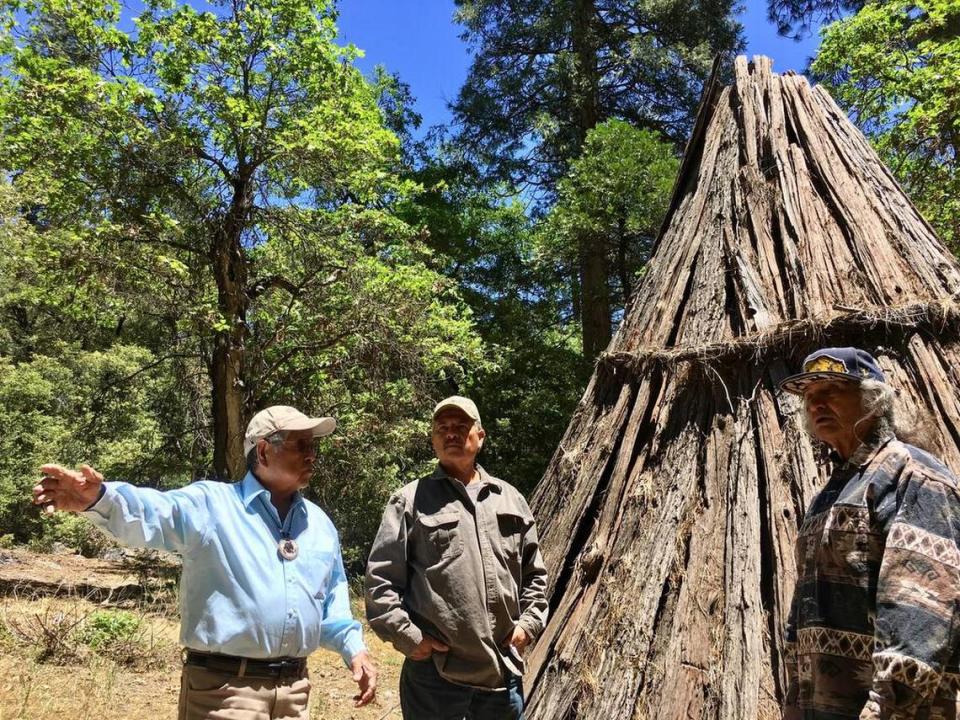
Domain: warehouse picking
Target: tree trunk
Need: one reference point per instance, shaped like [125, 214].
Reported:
[227, 366]
[575, 303]
[623, 266]
[594, 297]
[594, 280]
[668, 514]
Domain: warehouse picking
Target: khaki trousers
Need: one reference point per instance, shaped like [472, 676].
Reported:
[211, 695]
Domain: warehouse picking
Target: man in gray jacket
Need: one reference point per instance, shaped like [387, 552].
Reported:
[455, 581]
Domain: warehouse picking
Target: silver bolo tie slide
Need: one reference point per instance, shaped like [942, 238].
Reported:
[287, 547]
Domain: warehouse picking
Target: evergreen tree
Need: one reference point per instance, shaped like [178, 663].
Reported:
[894, 66]
[798, 18]
[545, 72]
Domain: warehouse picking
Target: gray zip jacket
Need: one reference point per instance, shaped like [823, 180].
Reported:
[464, 572]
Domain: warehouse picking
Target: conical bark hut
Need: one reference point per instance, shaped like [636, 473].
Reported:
[669, 512]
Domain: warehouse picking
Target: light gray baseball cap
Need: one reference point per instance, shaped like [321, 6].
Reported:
[283, 417]
[457, 401]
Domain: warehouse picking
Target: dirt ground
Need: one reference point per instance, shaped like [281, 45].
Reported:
[110, 685]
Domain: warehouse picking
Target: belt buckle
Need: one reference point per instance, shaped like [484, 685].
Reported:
[290, 668]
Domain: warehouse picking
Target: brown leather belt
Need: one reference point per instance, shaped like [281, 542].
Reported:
[247, 667]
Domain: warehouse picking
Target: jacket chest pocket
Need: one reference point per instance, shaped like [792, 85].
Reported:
[441, 536]
[511, 527]
[850, 547]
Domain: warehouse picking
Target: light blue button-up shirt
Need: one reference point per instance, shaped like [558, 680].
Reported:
[237, 595]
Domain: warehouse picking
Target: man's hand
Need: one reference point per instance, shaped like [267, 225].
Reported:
[63, 489]
[365, 676]
[520, 639]
[427, 647]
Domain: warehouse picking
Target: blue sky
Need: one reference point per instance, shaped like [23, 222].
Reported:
[419, 40]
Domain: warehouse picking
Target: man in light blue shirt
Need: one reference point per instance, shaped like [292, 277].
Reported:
[263, 583]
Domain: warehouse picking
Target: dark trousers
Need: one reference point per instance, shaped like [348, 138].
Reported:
[424, 695]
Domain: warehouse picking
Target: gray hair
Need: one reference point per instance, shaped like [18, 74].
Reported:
[878, 401]
[276, 439]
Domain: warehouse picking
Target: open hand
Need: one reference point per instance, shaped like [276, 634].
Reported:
[427, 647]
[365, 676]
[69, 490]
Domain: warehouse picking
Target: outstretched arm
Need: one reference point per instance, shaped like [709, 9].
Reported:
[67, 490]
[140, 517]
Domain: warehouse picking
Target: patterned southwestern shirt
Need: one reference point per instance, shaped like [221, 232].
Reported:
[873, 629]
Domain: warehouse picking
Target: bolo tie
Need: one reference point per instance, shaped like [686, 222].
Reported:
[287, 547]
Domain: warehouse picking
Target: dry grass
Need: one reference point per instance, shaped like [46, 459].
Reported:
[77, 682]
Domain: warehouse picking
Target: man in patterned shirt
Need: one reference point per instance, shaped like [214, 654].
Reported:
[873, 629]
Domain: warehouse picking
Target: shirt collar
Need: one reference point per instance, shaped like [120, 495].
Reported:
[866, 451]
[485, 478]
[251, 488]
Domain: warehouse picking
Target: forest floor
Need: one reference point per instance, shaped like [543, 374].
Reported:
[82, 638]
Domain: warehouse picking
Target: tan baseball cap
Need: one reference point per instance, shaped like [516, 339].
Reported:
[461, 403]
[283, 417]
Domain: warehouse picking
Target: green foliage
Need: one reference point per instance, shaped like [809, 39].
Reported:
[895, 66]
[105, 629]
[373, 341]
[212, 177]
[483, 239]
[546, 71]
[797, 18]
[227, 178]
[181, 149]
[80, 535]
[616, 193]
[98, 407]
[124, 638]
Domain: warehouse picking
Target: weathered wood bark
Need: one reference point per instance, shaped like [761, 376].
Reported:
[668, 513]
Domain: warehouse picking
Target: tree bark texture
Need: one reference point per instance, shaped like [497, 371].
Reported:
[669, 512]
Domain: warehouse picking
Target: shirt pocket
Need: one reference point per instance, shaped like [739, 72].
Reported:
[851, 550]
[511, 526]
[441, 537]
[316, 574]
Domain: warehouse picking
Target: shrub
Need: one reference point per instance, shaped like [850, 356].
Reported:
[52, 634]
[124, 638]
[105, 629]
[81, 535]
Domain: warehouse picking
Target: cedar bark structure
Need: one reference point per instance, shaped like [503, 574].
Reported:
[669, 512]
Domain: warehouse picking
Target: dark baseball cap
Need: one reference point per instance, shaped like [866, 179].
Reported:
[845, 364]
